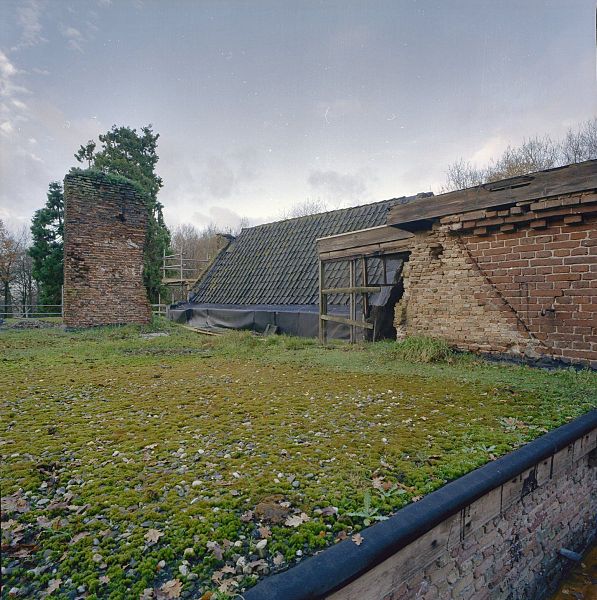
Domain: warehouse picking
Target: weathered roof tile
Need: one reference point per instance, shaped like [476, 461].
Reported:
[276, 263]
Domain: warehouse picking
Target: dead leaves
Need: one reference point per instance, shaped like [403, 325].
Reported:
[215, 549]
[78, 537]
[387, 489]
[53, 585]
[152, 536]
[15, 503]
[341, 537]
[170, 589]
[246, 516]
[19, 550]
[265, 532]
[296, 520]
[379, 484]
[357, 538]
[329, 511]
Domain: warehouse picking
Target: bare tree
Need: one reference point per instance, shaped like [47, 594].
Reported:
[198, 247]
[9, 251]
[534, 154]
[580, 144]
[24, 285]
[302, 209]
[462, 174]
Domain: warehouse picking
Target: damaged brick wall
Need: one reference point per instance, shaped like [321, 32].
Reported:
[105, 224]
[516, 281]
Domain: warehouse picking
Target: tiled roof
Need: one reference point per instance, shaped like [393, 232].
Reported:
[277, 263]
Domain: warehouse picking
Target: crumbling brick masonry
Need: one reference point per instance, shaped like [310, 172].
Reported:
[521, 280]
[105, 225]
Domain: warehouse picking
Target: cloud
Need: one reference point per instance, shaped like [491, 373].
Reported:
[224, 176]
[339, 187]
[74, 37]
[226, 218]
[18, 104]
[17, 202]
[491, 149]
[7, 69]
[12, 109]
[221, 217]
[29, 18]
[219, 178]
[6, 127]
[31, 163]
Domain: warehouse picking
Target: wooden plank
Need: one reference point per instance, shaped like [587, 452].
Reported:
[177, 280]
[352, 305]
[563, 180]
[346, 321]
[397, 246]
[365, 285]
[323, 305]
[363, 289]
[202, 331]
[361, 237]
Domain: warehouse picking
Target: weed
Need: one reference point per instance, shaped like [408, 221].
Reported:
[367, 512]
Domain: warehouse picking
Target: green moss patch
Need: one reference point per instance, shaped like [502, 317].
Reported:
[170, 466]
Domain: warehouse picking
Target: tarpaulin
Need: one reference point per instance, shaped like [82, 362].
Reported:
[300, 320]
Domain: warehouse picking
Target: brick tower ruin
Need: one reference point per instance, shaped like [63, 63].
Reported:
[105, 223]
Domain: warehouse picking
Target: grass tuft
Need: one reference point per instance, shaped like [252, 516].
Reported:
[422, 349]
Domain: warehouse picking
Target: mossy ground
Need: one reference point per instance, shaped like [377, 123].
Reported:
[111, 440]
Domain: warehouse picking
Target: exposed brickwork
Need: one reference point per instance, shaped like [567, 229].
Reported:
[571, 208]
[528, 286]
[446, 297]
[503, 546]
[105, 225]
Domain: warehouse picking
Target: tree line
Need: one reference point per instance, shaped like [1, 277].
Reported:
[31, 262]
[534, 154]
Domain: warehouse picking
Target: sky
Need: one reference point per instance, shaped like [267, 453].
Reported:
[262, 105]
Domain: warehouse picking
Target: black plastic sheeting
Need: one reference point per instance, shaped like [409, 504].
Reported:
[300, 320]
[392, 275]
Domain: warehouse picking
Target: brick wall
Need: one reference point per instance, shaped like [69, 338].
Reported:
[105, 225]
[527, 286]
[504, 545]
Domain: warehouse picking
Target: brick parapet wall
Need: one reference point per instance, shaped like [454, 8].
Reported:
[504, 545]
[537, 214]
[105, 226]
[529, 289]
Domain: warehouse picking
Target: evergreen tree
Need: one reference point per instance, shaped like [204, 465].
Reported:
[133, 155]
[85, 153]
[47, 249]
